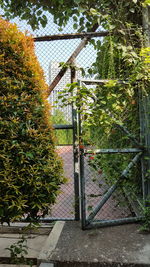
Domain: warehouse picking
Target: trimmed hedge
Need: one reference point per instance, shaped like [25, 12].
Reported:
[30, 170]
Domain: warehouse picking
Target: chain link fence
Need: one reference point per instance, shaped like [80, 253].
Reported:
[50, 54]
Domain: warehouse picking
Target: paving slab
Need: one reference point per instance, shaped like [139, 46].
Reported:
[34, 244]
[35, 238]
[110, 246]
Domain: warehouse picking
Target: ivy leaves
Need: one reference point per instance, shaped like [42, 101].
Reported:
[98, 103]
[146, 3]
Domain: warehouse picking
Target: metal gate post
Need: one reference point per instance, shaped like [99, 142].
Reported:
[75, 153]
[82, 175]
[145, 117]
[82, 178]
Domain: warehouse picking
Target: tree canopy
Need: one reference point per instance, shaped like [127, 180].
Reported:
[82, 11]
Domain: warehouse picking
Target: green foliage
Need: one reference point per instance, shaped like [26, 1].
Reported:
[62, 136]
[19, 251]
[85, 13]
[101, 108]
[146, 3]
[146, 220]
[120, 56]
[31, 172]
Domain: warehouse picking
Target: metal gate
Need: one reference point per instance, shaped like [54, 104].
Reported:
[93, 203]
[96, 204]
[99, 200]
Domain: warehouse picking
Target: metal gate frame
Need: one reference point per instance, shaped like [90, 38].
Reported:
[87, 222]
[76, 126]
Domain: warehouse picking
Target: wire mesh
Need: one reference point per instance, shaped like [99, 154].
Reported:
[119, 205]
[64, 207]
[102, 172]
[49, 55]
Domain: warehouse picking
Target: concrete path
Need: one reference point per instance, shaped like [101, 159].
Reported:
[69, 246]
[112, 246]
[64, 207]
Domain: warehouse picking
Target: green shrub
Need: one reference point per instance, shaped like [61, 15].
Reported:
[31, 171]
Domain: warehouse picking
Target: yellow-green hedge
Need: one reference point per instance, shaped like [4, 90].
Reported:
[30, 170]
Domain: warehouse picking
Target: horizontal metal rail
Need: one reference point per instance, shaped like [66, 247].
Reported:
[70, 36]
[101, 82]
[56, 219]
[57, 145]
[102, 223]
[111, 151]
[48, 219]
[110, 191]
[62, 127]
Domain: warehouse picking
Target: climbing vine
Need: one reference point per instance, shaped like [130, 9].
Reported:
[123, 62]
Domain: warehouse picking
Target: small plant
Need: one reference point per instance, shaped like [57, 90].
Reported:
[19, 251]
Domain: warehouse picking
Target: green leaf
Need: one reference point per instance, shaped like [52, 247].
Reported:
[94, 12]
[30, 155]
[77, 1]
[75, 18]
[39, 12]
[75, 26]
[132, 10]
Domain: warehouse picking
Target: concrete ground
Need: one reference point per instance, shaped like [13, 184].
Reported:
[14, 265]
[34, 244]
[69, 246]
[34, 240]
[110, 246]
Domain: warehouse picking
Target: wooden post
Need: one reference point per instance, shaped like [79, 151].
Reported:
[47, 38]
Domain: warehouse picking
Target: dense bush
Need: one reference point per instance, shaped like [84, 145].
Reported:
[31, 171]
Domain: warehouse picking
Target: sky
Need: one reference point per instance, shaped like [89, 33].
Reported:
[56, 51]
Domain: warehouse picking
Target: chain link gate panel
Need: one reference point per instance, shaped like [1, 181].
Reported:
[106, 203]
